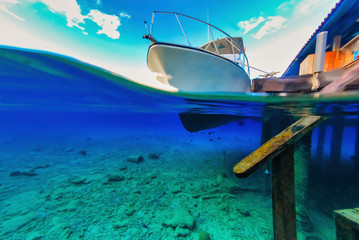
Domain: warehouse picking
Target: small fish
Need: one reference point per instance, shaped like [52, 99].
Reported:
[267, 172]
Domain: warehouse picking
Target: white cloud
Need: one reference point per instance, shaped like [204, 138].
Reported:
[9, 1]
[304, 10]
[69, 8]
[250, 24]
[108, 23]
[305, 6]
[4, 8]
[286, 6]
[125, 15]
[72, 11]
[272, 25]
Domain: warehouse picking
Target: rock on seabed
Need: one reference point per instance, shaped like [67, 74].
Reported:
[181, 218]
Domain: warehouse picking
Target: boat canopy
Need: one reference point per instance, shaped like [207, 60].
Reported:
[225, 46]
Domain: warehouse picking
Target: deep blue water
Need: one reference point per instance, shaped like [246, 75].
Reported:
[48, 101]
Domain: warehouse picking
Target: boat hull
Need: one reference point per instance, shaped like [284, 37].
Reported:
[195, 70]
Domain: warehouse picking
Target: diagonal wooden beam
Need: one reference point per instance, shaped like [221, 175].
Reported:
[276, 145]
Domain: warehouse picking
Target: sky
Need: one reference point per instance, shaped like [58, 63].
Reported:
[108, 33]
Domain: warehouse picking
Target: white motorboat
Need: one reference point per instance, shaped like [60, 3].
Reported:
[220, 65]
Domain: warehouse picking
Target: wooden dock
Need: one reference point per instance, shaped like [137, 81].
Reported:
[304, 83]
[280, 150]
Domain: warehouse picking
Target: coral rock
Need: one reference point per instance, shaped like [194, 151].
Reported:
[181, 218]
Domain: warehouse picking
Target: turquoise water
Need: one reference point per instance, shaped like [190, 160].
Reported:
[68, 128]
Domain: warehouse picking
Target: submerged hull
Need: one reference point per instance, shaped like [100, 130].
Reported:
[195, 70]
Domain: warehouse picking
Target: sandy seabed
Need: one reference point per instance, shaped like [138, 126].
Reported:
[84, 188]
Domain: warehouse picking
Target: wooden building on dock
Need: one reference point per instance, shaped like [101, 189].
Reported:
[342, 48]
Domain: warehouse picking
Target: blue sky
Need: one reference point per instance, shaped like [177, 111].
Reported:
[109, 33]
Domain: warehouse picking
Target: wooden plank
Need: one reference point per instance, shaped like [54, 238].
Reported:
[276, 145]
[307, 65]
[350, 76]
[329, 62]
[284, 219]
[347, 224]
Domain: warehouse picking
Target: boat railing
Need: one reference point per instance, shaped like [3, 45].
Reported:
[232, 41]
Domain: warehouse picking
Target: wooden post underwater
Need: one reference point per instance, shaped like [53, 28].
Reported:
[271, 128]
[284, 220]
[355, 158]
[337, 141]
[302, 156]
[321, 138]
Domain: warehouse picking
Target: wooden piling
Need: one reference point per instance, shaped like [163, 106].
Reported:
[271, 128]
[284, 220]
[356, 153]
[336, 143]
[321, 139]
[355, 158]
[302, 155]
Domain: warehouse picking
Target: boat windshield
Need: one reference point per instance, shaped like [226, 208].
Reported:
[218, 41]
